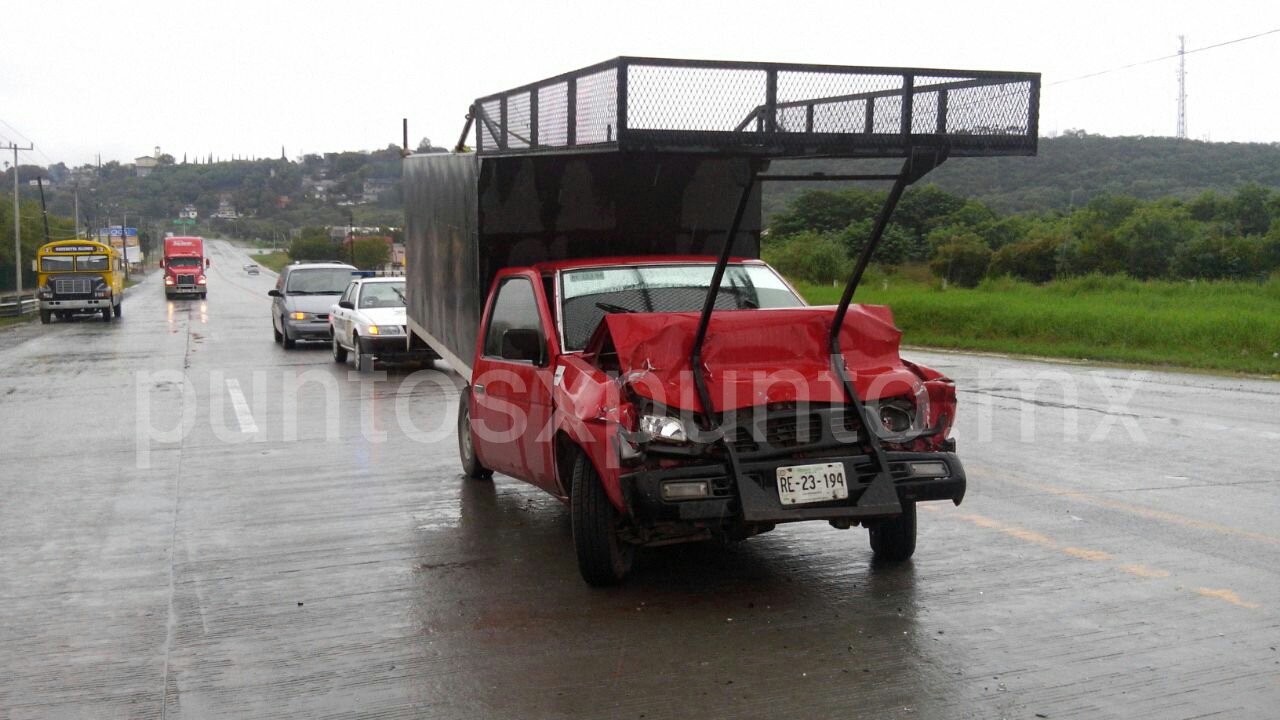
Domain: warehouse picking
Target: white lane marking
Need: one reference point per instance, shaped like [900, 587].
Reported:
[241, 406]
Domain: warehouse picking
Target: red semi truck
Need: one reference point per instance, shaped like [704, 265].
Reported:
[591, 274]
[184, 264]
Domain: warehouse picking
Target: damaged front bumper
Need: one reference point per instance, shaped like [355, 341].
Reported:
[751, 496]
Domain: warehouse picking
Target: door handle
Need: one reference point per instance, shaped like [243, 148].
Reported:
[478, 389]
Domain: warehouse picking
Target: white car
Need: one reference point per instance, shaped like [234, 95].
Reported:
[369, 321]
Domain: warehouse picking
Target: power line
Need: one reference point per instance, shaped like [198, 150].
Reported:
[1165, 57]
[24, 137]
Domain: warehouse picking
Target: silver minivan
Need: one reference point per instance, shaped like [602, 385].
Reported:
[301, 299]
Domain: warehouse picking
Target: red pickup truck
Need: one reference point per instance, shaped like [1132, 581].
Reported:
[581, 384]
[589, 270]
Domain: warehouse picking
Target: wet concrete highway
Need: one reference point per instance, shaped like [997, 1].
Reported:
[309, 549]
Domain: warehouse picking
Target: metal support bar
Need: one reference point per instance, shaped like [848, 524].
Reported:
[908, 103]
[502, 123]
[571, 100]
[708, 306]
[622, 100]
[824, 176]
[533, 118]
[771, 101]
[462, 139]
[918, 163]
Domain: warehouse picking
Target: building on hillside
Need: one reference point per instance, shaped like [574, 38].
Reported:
[226, 208]
[143, 165]
[188, 212]
[374, 188]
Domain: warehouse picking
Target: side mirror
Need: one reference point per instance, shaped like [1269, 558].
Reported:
[33, 266]
[346, 305]
[161, 264]
[522, 344]
[206, 262]
[274, 293]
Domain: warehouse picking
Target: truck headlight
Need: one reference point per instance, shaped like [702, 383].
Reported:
[46, 292]
[663, 428]
[102, 291]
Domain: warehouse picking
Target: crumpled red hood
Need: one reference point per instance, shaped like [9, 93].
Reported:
[759, 357]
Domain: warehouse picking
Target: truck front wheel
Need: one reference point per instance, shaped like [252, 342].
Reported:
[46, 316]
[603, 558]
[894, 540]
[471, 466]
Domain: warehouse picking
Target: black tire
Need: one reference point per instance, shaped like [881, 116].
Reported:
[46, 316]
[471, 466]
[204, 295]
[603, 558]
[288, 342]
[106, 314]
[894, 540]
[120, 309]
[364, 358]
[275, 334]
[339, 352]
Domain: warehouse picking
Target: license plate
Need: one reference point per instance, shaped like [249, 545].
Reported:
[800, 484]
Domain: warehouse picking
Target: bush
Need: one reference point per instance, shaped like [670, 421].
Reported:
[897, 246]
[963, 261]
[313, 248]
[1033, 260]
[1215, 257]
[810, 256]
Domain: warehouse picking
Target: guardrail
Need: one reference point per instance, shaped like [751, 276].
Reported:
[13, 306]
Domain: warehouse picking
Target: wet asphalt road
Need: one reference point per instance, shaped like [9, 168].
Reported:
[313, 551]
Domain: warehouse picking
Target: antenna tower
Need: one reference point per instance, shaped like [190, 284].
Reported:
[1182, 87]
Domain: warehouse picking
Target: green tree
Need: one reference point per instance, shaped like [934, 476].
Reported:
[1152, 234]
[370, 253]
[962, 261]
[1250, 209]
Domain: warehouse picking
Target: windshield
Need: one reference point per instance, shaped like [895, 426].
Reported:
[183, 262]
[586, 295]
[56, 264]
[92, 262]
[319, 281]
[382, 295]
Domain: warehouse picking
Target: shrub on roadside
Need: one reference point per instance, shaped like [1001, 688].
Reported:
[963, 261]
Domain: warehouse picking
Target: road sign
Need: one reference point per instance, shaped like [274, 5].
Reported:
[184, 221]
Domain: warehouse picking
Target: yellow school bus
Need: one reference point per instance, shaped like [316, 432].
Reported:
[79, 276]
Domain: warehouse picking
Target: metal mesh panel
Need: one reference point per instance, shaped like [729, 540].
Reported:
[597, 107]
[696, 99]
[838, 101]
[769, 109]
[553, 112]
[487, 124]
[519, 129]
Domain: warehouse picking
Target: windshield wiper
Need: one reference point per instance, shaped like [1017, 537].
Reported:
[611, 308]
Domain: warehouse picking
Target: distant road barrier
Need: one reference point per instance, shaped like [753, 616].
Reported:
[13, 306]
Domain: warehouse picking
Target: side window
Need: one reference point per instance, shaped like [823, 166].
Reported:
[514, 309]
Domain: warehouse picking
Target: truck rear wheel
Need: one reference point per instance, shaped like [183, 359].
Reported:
[894, 540]
[603, 557]
[471, 466]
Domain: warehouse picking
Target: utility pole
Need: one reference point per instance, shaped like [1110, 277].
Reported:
[1182, 87]
[17, 233]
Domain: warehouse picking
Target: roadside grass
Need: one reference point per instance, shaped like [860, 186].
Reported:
[17, 320]
[1224, 326]
[272, 261]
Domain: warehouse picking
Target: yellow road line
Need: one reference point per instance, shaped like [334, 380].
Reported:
[1139, 570]
[1122, 506]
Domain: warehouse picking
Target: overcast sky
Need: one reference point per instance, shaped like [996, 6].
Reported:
[230, 77]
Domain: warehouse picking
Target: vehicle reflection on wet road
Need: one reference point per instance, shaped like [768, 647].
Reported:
[307, 547]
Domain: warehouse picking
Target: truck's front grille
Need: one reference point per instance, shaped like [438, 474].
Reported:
[186, 279]
[72, 286]
[784, 429]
